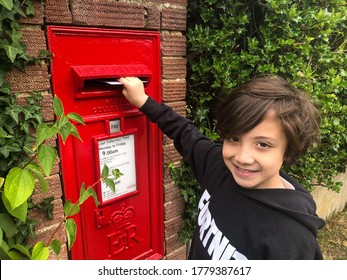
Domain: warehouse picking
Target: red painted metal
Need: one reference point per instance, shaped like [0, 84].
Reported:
[127, 224]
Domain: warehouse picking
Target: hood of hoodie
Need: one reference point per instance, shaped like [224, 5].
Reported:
[298, 203]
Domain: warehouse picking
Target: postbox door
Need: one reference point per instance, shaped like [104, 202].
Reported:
[128, 223]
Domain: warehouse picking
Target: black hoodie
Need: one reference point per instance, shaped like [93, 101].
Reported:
[235, 222]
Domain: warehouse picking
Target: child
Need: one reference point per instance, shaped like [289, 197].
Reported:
[248, 209]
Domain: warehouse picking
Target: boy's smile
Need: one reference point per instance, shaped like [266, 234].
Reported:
[255, 158]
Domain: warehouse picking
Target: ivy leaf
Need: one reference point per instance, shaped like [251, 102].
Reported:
[19, 186]
[8, 4]
[12, 51]
[70, 228]
[3, 134]
[8, 148]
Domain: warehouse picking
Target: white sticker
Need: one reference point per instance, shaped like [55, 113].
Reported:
[118, 153]
[114, 126]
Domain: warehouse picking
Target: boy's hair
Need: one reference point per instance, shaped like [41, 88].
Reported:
[246, 106]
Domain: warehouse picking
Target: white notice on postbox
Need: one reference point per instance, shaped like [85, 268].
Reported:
[118, 153]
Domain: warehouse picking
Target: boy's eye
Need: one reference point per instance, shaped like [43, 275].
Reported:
[263, 145]
[234, 139]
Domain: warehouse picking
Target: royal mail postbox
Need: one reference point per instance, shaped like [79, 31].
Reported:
[86, 62]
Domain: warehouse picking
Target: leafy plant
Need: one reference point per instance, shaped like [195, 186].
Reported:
[20, 182]
[24, 158]
[231, 41]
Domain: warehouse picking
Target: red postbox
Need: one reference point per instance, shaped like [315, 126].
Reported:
[128, 223]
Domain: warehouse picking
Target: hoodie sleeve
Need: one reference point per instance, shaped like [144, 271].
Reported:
[189, 142]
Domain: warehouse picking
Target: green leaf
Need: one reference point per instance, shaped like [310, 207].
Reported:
[19, 186]
[86, 193]
[14, 255]
[105, 171]
[70, 208]
[70, 228]
[58, 106]
[34, 168]
[65, 131]
[110, 183]
[8, 148]
[20, 212]
[12, 51]
[4, 134]
[21, 249]
[44, 132]
[2, 180]
[116, 173]
[7, 225]
[76, 117]
[8, 4]
[47, 156]
[55, 246]
[40, 251]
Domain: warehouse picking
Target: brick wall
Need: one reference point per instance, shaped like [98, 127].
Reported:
[166, 16]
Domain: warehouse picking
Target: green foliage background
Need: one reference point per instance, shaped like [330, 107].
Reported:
[303, 41]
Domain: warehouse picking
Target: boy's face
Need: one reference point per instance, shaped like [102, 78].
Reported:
[255, 158]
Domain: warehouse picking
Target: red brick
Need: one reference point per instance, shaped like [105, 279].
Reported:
[174, 90]
[174, 18]
[35, 41]
[107, 13]
[173, 226]
[173, 44]
[152, 18]
[171, 192]
[172, 244]
[174, 208]
[175, 2]
[35, 78]
[47, 107]
[46, 229]
[170, 154]
[57, 11]
[180, 254]
[179, 107]
[174, 67]
[54, 189]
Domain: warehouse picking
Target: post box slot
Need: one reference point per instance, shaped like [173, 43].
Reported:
[101, 80]
[105, 84]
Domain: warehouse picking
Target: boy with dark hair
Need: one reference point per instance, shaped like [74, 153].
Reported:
[249, 208]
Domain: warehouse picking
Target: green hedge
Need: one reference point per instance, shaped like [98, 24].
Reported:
[303, 41]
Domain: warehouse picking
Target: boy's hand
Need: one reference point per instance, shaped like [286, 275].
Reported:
[134, 91]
